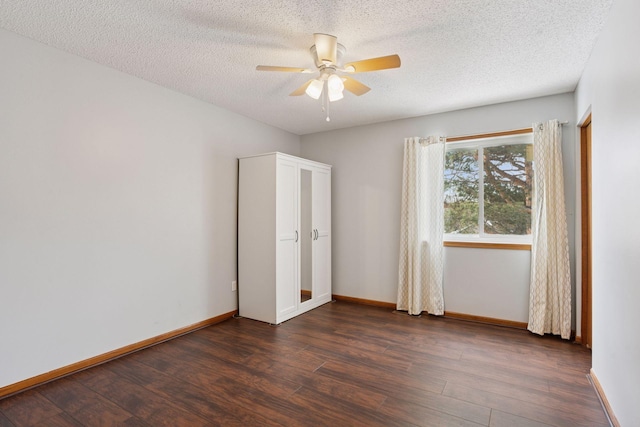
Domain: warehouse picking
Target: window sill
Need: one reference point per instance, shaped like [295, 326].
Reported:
[488, 245]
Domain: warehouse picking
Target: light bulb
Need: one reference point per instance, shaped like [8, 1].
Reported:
[314, 89]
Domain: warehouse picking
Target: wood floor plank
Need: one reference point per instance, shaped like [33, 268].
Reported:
[502, 419]
[201, 394]
[301, 359]
[379, 380]
[447, 368]
[83, 404]
[216, 407]
[339, 388]
[276, 409]
[135, 422]
[420, 415]
[255, 336]
[541, 366]
[28, 408]
[381, 361]
[342, 412]
[582, 393]
[271, 406]
[4, 421]
[312, 336]
[300, 368]
[420, 390]
[216, 410]
[223, 351]
[340, 364]
[532, 411]
[446, 404]
[66, 420]
[240, 372]
[545, 400]
[138, 401]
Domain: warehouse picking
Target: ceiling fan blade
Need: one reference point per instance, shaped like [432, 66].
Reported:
[326, 48]
[285, 69]
[301, 90]
[354, 86]
[373, 64]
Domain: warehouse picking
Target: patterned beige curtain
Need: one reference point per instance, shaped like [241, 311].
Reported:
[550, 288]
[422, 227]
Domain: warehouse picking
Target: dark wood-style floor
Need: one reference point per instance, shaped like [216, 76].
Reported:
[338, 365]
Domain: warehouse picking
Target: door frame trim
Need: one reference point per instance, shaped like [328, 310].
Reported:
[585, 230]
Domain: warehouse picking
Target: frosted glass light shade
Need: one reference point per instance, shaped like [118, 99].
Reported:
[335, 96]
[335, 86]
[314, 89]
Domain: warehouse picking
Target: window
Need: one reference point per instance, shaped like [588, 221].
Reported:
[488, 184]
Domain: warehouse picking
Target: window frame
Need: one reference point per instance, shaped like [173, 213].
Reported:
[482, 239]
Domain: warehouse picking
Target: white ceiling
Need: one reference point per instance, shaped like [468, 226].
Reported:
[455, 54]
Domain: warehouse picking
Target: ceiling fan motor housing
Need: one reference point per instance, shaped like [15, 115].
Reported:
[340, 50]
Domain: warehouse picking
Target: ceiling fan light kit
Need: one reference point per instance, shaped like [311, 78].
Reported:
[327, 54]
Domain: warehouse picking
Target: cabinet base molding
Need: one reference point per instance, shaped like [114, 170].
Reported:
[603, 398]
[32, 382]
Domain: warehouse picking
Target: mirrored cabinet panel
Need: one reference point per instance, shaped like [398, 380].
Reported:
[306, 235]
[284, 236]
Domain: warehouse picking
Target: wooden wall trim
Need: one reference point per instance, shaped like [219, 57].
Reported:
[448, 314]
[362, 301]
[489, 135]
[603, 398]
[488, 320]
[585, 231]
[487, 245]
[106, 357]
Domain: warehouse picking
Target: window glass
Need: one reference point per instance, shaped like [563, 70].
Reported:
[488, 188]
[461, 191]
[507, 190]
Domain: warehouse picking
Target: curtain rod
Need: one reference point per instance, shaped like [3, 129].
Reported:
[489, 135]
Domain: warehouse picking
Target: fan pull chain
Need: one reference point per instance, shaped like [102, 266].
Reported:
[325, 100]
[327, 112]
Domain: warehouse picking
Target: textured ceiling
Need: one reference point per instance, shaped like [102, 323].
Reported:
[455, 54]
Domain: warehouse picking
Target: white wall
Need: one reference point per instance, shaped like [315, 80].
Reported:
[610, 87]
[117, 207]
[487, 282]
[366, 189]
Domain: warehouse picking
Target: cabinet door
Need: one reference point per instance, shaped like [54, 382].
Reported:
[287, 237]
[322, 226]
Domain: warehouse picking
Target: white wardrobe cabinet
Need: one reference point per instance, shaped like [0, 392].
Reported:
[284, 236]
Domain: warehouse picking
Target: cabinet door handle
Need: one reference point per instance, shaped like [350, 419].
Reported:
[296, 236]
[316, 231]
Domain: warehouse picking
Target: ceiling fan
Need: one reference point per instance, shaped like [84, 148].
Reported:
[327, 54]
